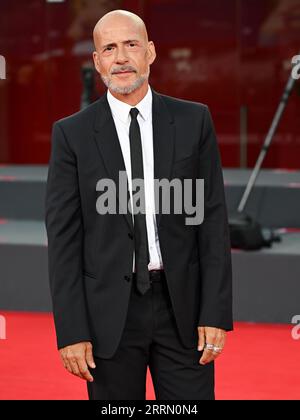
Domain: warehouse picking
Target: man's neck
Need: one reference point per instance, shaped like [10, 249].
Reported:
[134, 97]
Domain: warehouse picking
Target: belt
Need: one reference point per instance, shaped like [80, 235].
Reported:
[154, 275]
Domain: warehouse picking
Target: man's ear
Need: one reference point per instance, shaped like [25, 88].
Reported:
[96, 61]
[151, 52]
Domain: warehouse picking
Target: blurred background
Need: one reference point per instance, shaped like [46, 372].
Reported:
[233, 55]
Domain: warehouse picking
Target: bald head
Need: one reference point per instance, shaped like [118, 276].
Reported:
[116, 19]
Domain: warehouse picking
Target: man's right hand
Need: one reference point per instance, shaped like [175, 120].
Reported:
[77, 359]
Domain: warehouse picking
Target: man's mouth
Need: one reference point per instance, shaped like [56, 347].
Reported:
[124, 72]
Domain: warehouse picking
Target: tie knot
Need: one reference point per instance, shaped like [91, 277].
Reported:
[134, 113]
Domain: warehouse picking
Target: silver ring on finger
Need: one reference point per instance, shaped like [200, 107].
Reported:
[217, 350]
[209, 347]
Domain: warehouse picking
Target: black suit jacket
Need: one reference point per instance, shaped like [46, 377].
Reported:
[90, 255]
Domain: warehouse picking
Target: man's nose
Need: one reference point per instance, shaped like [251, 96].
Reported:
[121, 56]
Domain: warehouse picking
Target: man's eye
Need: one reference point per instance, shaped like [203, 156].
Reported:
[132, 44]
[108, 48]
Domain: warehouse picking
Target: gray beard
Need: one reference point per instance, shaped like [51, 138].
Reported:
[126, 89]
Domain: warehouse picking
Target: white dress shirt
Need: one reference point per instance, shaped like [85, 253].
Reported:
[120, 112]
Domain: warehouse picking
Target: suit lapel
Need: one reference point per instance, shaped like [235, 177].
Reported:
[109, 146]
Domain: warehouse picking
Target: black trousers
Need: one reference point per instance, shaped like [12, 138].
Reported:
[150, 338]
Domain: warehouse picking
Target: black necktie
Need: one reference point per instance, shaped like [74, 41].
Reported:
[140, 228]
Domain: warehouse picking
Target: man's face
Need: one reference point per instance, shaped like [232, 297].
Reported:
[123, 55]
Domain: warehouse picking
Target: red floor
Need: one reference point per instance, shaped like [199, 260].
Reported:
[260, 362]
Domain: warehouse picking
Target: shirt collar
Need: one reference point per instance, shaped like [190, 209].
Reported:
[121, 110]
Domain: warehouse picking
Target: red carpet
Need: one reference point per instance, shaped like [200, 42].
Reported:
[260, 362]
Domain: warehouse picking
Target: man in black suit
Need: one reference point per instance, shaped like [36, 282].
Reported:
[141, 288]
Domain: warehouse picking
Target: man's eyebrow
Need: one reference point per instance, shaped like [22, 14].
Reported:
[113, 44]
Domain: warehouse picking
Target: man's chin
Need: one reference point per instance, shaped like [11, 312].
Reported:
[121, 89]
[125, 88]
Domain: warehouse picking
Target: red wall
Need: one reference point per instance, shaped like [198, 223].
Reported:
[227, 54]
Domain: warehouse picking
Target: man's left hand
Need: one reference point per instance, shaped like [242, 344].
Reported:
[212, 341]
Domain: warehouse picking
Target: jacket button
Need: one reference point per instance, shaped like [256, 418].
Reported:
[130, 235]
[127, 278]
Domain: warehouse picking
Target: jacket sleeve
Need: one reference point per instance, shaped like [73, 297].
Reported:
[213, 237]
[65, 236]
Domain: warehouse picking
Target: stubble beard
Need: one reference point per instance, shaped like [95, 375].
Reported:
[125, 90]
